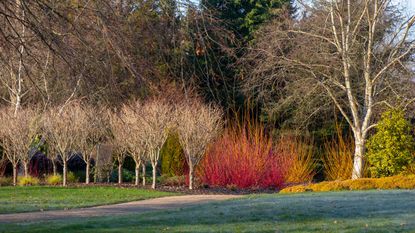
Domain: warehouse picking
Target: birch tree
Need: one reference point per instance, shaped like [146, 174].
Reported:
[356, 52]
[198, 125]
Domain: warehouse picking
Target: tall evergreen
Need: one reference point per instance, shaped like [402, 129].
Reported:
[245, 16]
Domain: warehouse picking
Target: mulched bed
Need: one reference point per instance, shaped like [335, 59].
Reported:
[185, 189]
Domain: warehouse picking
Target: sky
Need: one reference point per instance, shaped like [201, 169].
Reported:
[408, 4]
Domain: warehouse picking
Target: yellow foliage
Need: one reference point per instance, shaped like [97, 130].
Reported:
[28, 180]
[338, 157]
[301, 160]
[294, 189]
[328, 186]
[361, 184]
[393, 182]
[53, 180]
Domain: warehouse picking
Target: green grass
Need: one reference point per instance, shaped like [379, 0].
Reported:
[26, 199]
[361, 211]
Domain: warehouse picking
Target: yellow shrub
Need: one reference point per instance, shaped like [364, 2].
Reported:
[53, 180]
[295, 189]
[338, 157]
[405, 182]
[300, 153]
[393, 182]
[27, 181]
[329, 186]
[361, 184]
[387, 183]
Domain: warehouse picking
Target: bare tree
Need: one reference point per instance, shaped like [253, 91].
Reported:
[157, 120]
[137, 140]
[61, 131]
[53, 155]
[355, 52]
[119, 137]
[92, 131]
[18, 130]
[7, 143]
[198, 125]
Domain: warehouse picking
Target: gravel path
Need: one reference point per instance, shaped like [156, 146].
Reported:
[162, 203]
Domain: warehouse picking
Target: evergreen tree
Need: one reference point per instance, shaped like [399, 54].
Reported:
[245, 16]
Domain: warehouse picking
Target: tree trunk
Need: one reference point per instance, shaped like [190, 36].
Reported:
[144, 173]
[26, 169]
[14, 174]
[119, 172]
[54, 167]
[88, 164]
[358, 158]
[154, 165]
[137, 174]
[65, 168]
[191, 177]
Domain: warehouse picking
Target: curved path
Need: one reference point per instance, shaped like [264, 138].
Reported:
[163, 203]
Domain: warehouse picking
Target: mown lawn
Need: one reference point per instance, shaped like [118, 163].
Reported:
[26, 199]
[365, 211]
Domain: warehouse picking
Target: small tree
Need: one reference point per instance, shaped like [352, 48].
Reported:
[136, 140]
[92, 131]
[53, 155]
[7, 143]
[157, 119]
[391, 148]
[61, 131]
[198, 125]
[119, 135]
[18, 130]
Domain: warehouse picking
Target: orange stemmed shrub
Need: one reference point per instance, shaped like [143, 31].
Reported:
[246, 157]
[243, 157]
[299, 157]
[338, 157]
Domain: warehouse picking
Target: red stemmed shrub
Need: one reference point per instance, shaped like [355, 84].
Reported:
[243, 157]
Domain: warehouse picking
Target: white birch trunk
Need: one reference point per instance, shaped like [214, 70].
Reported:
[65, 172]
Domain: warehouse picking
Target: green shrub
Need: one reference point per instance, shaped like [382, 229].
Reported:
[72, 178]
[6, 181]
[27, 181]
[390, 149]
[53, 180]
[172, 157]
[127, 175]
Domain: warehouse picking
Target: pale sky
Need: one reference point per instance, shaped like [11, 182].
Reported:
[408, 4]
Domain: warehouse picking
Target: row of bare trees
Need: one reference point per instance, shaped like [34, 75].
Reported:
[141, 129]
[138, 129]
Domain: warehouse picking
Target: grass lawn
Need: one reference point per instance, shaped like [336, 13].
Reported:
[363, 211]
[25, 199]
